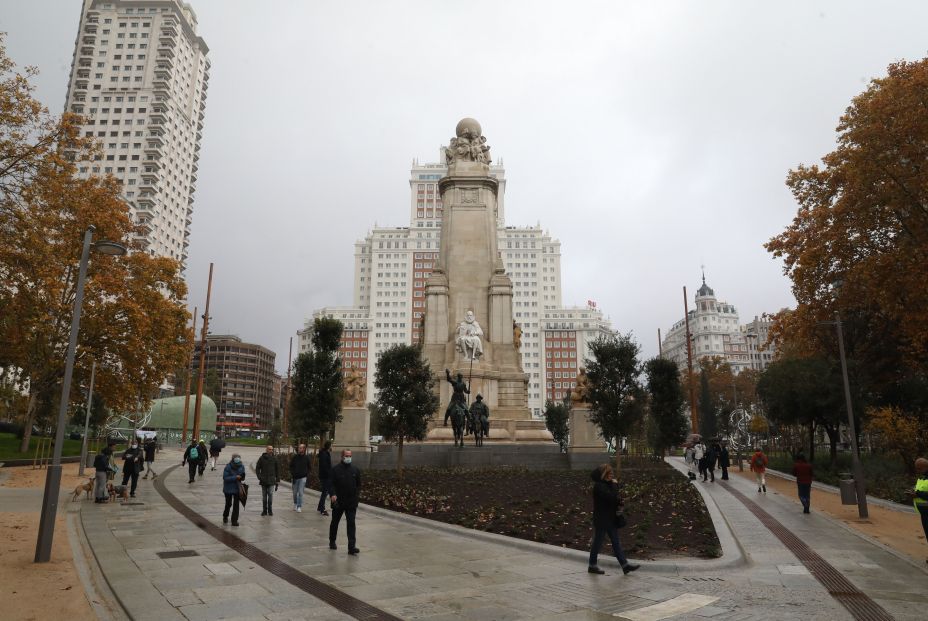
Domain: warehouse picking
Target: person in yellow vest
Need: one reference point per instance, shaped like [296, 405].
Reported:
[921, 492]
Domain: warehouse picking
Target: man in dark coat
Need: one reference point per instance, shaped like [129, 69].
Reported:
[215, 447]
[192, 459]
[802, 470]
[712, 456]
[325, 475]
[268, 471]
[606, 503]
[102, 468]
[149, 447]
[724, 461]
[346, 488]
[133, 460]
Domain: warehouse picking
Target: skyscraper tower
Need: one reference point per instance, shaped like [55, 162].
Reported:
[139, 78]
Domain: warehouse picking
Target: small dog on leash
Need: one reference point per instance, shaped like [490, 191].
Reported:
[118, 491]
[83, 487]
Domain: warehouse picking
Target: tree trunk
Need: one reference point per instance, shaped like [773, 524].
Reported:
[30, 417]
[399, 458]
[833, 442]
[812, 442]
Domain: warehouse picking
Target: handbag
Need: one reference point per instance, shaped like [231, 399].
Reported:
[242, 492]
[620, 519]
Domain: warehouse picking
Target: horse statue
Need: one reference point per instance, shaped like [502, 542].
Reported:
[460, 418]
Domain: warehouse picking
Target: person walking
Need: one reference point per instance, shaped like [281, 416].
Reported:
[268, 471]
[299, 470]
[215, 447]
[802, 470]
[102, 468]
[700, 457]
[689, 456]
[132, 462]
[759, 468]
[606, 503]
[345, 480]
[203, 456]
[325, 475]
[192, 459]
[920, 493]
[724, 461]
[149, 448]
[232, 475]
[712, 457]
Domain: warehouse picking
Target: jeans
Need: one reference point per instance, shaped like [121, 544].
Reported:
[337, 511]
[135, 480]
[192, 469]
[298, 485]
[100, 488]
[599, 535]
[724, 473]
[267, 497]
[230, 498]
[805, 494]
[325, 492]
[761, 478]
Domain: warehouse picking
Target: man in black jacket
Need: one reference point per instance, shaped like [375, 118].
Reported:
[299, 470]
[325, 474]
[268, 473]
[346, 487]
[101, 464]
[132, 462]
[192, 459]
[149, 447]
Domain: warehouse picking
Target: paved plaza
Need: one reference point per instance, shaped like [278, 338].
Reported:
[162, 564]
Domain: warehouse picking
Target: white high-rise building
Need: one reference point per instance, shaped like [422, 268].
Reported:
[139, 78]
[392, 265]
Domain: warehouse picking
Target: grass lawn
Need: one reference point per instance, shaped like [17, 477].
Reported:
[9, 447]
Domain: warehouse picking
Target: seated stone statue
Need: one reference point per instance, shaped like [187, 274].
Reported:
[468, 337]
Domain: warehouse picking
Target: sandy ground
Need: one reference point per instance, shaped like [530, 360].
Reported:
[900, 531]
[31, 590]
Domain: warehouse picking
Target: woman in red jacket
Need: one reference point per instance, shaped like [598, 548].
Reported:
[802, 470]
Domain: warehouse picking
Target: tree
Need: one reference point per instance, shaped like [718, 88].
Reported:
[557, 415]
[616, 398]
[133, 321]
[899, 432]
[708, 410]
[316, 382]
[406, 398]
[859, 242]
[667, 424]
[212, 384]
[98, 413]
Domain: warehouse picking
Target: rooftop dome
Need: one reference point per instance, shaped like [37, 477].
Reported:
[705, 290]
[465, 124]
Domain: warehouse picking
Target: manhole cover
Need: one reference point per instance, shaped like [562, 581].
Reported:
[178, 553]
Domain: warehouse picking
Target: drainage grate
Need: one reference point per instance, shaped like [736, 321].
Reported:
[343, 602]
[861, 607]
[178, 553]
[700, 579]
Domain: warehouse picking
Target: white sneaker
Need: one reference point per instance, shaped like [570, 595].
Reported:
[296, 508]
[299, 509]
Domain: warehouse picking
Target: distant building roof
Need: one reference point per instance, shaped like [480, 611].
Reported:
[168, 413]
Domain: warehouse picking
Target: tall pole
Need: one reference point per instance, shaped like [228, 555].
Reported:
[193, 333]
[93, 372]
[287, 394]
[660, 346]
[689, 364]
[858, 468]
[196, 410]
[43, 548]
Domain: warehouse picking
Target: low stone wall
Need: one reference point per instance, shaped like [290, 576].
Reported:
[533, 457]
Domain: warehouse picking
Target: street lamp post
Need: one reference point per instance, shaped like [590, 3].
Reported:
[859, 481]
[43, 548]
[93, 372]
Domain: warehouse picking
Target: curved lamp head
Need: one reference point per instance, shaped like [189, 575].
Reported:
[111, 248]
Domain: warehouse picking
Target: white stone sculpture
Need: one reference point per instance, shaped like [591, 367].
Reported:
[469, 145]
[468, 339]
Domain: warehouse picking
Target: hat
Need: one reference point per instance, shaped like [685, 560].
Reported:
[479, 396]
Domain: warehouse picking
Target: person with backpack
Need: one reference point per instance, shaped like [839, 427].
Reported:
[759, 468]
[192, 459]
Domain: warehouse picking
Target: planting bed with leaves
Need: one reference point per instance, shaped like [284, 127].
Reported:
[666, 515]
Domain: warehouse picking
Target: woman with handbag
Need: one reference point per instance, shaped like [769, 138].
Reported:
[232, 478]
[607, 518]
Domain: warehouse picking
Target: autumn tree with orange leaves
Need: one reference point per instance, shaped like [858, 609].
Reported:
[134, 322]
[858, 245]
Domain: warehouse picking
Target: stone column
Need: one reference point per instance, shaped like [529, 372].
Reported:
[354, 430]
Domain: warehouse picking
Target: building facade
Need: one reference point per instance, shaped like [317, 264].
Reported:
[247, 392]
[716, 331]
[567, 335]
[393, 264]
[139, 78]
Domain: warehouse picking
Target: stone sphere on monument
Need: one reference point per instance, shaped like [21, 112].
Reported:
[468, 124]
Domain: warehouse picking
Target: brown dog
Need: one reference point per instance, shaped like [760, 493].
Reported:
[83, 487]
[118, 491]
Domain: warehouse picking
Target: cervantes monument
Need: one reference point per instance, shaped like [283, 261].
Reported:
[468, 299]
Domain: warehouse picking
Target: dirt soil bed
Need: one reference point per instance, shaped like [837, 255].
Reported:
[666, 515]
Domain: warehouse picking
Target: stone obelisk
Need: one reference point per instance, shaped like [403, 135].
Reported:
[468, 298]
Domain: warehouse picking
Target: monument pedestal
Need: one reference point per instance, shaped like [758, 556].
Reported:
[354, 430]
[502, 431]
[584, 436]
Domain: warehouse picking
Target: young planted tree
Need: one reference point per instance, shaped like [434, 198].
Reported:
[667, 424]
[557, 415]
[133, 321]
[708, 411]
[406, 398]
[615, 396]
[316, 383]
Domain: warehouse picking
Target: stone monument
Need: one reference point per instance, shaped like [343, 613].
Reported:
[468, 297]
[353, 431]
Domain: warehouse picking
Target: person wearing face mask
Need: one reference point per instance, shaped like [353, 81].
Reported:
[132, 462]
[345, 482]
[234, 473]
[268, 471]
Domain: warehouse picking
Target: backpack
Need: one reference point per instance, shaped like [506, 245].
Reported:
[194, 453]
[759, 461]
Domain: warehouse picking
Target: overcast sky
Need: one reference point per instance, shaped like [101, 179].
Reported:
[649, 137]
